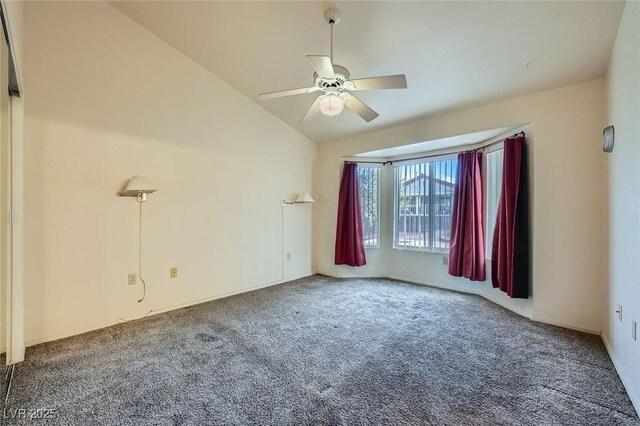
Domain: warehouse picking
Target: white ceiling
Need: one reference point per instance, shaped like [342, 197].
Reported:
[454, 54]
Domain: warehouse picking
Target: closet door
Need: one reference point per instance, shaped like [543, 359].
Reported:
[11, 211]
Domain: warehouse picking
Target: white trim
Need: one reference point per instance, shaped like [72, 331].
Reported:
[430, 284]
[635, 401]
[435, 250]
[490, 297]
[378, 221]
[374, 164]
[426, 159]
[478, 292]
[351, 277]
[7, 225]
[16, 284]
[443, 152]
[77, 331]
[496, 147]
[70, 333]
[565, 325]
[485, 190]
[486, 144]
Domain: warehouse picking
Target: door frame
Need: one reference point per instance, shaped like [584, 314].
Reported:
[14, 304]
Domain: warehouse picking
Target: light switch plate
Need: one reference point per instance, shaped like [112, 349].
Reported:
[173, 272]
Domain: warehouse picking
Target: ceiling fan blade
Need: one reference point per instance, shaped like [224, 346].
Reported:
[322, 65]
[398, 81]
[360, 108]
[271, 95]
[313, 110]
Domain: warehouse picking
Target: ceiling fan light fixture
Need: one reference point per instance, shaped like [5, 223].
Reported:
[331, 105]
[336, 83]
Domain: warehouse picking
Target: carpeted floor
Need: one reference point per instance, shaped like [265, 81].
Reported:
[326, 351]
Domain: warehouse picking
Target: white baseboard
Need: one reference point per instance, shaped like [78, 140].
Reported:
[632, 396]
[347, 276]
[77, 331]
[484, 295]
[497, 301]
[564, 325]
[427, 283]
[478, 292]
[98, 326]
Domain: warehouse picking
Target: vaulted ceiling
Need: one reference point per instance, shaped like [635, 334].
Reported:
[454, 54]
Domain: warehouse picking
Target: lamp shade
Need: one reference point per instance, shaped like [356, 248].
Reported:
[305, 197]
[138, 185]
[331, 105]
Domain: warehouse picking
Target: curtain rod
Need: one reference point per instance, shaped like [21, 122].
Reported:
[384, 163]
[502, 140]
[388, 162]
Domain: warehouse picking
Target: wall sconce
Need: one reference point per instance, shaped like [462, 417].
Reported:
[138, 186]
[304, 198]
[608, 135]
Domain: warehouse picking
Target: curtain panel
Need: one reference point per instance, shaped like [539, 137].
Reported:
[510, 246]
[466, 252]
[349, 248]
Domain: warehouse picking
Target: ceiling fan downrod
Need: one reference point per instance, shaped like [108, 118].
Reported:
[333, 17]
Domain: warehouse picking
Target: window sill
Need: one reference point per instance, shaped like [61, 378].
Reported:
[436, 251]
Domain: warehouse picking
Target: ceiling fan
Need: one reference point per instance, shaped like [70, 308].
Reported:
[335, 83]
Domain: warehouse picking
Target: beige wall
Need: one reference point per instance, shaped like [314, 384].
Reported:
[567, 193]
[106, 99]
[623, 90]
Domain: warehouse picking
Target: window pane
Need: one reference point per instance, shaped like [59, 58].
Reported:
[494, 185]
[369, 187]
[423, 196]
[444, 181]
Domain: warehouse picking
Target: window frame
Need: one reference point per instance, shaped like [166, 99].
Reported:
[378, 220]
[430, 161]
[485, 198]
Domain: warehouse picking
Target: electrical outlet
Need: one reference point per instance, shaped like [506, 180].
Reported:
[619, 312]
[445, 260]
[173, 272]
[634, 330]
[133, 278]
[288, 256]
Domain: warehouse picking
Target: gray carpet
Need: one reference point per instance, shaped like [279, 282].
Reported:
[326, 351]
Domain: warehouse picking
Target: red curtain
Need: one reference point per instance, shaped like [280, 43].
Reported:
[349, 232]
[466, 253]
[510, 249]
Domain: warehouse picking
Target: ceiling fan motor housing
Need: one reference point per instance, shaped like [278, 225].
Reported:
[342, 75]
